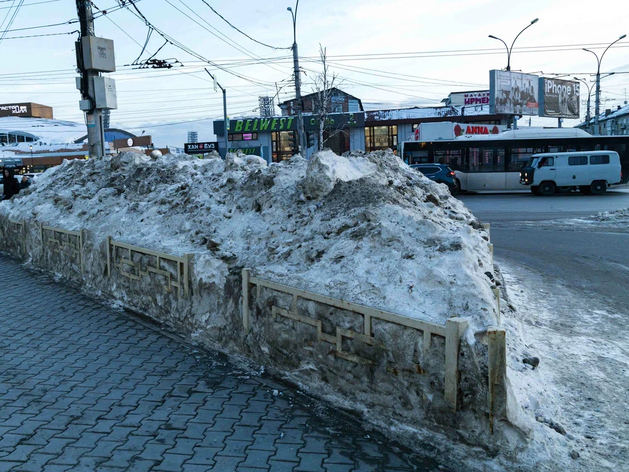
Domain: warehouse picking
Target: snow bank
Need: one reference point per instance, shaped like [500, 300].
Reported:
[363, 227]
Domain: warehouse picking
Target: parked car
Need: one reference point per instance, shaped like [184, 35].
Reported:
[440, 173]
[591, 172]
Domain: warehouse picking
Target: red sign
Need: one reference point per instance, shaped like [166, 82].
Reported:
[475, 129]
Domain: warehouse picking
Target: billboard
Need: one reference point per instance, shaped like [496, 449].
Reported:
[513, 93]
[559, 98]
[464, 99]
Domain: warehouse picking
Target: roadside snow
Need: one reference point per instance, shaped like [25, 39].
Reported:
[576, 401]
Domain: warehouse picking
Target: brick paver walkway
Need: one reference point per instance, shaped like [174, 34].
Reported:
[83, 387]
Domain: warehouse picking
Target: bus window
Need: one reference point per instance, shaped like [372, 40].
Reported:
[452, 158]
[474, 159]
[520, 157]
[491, 160]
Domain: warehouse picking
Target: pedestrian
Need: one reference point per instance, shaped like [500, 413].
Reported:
[25, 183]
[11, 185]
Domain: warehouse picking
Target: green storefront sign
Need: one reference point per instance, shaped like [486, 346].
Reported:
[289, 123]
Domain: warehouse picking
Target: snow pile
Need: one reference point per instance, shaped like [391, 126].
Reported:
[364, 227]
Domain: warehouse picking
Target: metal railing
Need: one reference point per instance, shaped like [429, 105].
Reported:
[59, 240]
[114, 248]
[451, 332]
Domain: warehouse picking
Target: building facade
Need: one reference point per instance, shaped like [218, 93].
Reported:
[612, 122]
[274, 138]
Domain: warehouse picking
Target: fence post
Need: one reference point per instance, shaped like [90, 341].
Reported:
[487, 227]
[186, 275]
[245, 300]
[497, 360]
[455, 327]
[496, 291]
[109, 256]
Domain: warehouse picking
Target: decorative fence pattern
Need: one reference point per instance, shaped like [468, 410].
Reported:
[452, 331]
[16, 230]
[59, 240]
[132, 269]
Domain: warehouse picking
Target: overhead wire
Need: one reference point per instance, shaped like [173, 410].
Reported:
[242, 32]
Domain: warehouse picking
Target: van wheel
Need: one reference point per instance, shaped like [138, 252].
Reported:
[547, 188]
[535, 189]
[585, 190]
[598, 187]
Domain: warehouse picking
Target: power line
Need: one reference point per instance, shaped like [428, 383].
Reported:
[10, 23]
[41, 35]
[31, 4]
[184, 48]
[242, 32]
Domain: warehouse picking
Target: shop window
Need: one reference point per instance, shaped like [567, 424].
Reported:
[381, 137]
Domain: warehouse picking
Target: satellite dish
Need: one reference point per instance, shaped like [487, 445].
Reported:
[129, 142]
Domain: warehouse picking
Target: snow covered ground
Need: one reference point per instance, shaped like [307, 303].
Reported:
[576, 401]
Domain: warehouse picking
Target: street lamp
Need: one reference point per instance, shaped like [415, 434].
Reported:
[598, 81]
[587, 114]
[31, 146]
[509, 49]
[300, 120]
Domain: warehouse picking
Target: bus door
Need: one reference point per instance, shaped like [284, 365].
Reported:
[486, 169]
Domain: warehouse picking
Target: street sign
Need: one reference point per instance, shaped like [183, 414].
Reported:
[200, 148]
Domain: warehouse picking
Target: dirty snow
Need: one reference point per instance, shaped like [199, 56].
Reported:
[575, 403]
[364, 227]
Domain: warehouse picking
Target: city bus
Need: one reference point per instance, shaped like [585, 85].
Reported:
[493, 162]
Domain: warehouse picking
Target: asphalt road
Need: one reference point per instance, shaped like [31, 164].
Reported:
[541, 234]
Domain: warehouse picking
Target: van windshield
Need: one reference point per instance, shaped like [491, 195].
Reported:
[532, 162]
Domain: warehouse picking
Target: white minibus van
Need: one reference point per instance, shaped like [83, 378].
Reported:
[589, 171]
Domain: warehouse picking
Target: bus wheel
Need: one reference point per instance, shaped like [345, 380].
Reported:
[547, 188]
[598, 187]
[585, 190]
[535, 189]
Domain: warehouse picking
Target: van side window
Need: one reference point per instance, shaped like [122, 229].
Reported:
[577, 160]
[547, 162]
[599, 160]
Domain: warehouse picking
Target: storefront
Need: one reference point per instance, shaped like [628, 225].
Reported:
[275, 138]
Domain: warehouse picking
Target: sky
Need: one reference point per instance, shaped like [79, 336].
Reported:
[387, 53]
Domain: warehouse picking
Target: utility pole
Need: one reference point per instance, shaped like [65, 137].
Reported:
[225, 122]
[597, 106]
[94, 118]
[301, 132]
[587, 113]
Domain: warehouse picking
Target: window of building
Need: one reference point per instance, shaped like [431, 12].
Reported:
[281, 145]
[595, 160]
[380, 137]
[242, 137]
[577, 160]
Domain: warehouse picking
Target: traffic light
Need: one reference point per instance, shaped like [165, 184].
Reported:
[311, 140]
[292, 141]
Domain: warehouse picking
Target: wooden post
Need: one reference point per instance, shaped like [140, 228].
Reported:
[108, 256]
[487, 227]
[497, 360]
[497, 295]
[245, 300]
[455, 327]
[186, 275]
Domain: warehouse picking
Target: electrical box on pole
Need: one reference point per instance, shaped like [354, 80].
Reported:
[98, 54]
[105, 93]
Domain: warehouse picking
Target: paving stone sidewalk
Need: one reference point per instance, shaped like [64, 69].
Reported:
[86, 388]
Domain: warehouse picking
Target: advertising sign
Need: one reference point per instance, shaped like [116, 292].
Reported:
[336, 121]
[289, 123]
[559, 98]
[19, 109]
[200, 148]
[252, 151]
[461, 99]
[427, 132]
[513, 93]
